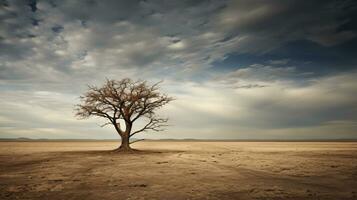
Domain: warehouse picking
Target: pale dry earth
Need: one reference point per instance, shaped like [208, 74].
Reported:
[179, 170]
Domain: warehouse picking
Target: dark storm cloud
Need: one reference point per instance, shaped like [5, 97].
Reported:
[317, 36]
[281, 21]
[32, 4]
[207, 30]
[263, 59]
[57, 29]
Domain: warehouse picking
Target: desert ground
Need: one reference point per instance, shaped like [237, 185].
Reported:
[178, 170]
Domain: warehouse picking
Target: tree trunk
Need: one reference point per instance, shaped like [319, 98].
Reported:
[125, 145]
[125, 137]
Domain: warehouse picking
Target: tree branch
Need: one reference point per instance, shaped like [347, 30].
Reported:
[136, 141]
[154, 124]
[124, 99]
[105, 124]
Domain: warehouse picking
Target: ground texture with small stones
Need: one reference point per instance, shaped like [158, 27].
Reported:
[178, 170]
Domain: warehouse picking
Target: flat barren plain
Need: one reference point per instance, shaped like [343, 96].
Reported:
[178, 170]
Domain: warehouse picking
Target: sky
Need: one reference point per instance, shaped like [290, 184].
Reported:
[282, 69]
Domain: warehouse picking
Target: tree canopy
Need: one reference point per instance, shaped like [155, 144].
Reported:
[127, 101]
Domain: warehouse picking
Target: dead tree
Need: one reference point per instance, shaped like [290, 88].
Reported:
[122, 103]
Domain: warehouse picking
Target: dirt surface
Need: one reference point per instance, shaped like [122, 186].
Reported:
[178, 170]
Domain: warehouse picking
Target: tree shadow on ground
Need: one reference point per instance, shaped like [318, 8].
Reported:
[118, 152]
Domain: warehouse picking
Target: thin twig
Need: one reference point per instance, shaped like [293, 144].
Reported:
[136, 141]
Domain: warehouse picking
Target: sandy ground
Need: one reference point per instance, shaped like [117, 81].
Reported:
[178, 170]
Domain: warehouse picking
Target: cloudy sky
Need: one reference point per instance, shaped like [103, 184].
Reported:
[238, 69]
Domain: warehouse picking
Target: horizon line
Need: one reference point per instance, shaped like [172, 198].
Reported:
[24, 139]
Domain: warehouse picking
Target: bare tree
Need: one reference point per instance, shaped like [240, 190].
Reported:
[123, 102]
